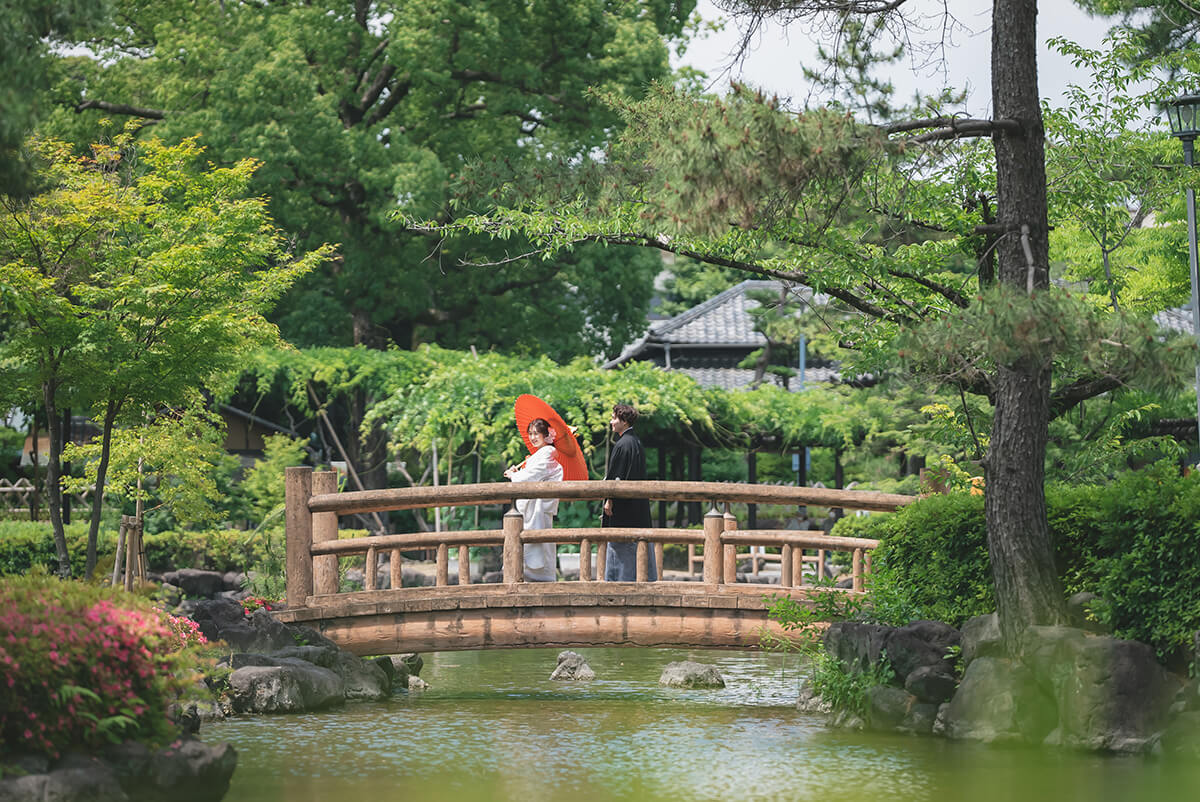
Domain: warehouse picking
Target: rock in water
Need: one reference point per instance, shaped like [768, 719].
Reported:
[572, 666]
[687, 674]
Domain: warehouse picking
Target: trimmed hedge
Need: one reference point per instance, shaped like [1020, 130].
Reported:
[25, 544]
[1132, 542]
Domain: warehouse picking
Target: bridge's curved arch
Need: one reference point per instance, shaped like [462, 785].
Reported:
[560, 615]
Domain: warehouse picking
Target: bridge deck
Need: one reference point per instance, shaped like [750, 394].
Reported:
[555, 614]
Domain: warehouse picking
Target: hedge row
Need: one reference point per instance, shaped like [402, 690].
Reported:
[25, 544]
[1132, 542]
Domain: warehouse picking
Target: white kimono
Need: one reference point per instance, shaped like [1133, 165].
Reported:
[541, 560]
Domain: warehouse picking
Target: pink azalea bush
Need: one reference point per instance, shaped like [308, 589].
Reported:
[81, 665]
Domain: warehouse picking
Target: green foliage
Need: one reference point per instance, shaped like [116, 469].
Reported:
[932, 560]
[1125, 541]
[846, 689]
[357, 114]
[133, 280]
[263, 486]
[172, 460]
[28, 32]
[84, 666]
[1128, 542]
[25, 545]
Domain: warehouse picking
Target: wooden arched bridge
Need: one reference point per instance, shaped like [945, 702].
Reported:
[716, 611]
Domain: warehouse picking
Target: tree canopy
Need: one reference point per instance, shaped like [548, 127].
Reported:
[133, 280]
[357, 109]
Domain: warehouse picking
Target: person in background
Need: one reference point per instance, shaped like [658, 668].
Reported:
[541, 559]
[627, 461]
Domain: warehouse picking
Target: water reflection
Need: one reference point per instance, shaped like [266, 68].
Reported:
[493, 727]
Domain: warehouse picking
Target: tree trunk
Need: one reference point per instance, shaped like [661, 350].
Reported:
[110, 417]
[1028, 590]
[53, 474]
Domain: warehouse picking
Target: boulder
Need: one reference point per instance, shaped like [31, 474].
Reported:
[75, 778]
[187, 771]
[857, 645]
[811, 702]
[417, 684]
[195, 583]
[224, 619]
[888, 706]
[1110, 694]
[998, 701]
[920, 644]
[931, 684]
[689, 674]
[981, 638]
[361, 679]
[292, 687]
[413, 661]
[572, 666]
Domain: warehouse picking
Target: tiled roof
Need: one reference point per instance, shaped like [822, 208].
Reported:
[739, 378]
[722, 320]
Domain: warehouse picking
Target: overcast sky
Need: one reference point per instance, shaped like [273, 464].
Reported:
[774, 63]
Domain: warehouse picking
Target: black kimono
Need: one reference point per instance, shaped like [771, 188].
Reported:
[628, 463]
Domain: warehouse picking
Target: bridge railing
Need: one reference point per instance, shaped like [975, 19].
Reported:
[314, 505]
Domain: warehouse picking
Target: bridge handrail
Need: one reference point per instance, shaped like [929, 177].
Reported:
[495, 537]
[313, 546]
[407, 498]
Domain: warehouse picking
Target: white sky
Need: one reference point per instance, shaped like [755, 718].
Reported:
[774, 63]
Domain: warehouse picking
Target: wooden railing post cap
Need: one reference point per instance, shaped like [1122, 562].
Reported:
[514, 513]
[714, 513]
[297, 469]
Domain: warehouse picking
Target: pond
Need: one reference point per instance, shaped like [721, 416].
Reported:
[492, 726]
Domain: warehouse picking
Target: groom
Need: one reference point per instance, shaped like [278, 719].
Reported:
[627, 462]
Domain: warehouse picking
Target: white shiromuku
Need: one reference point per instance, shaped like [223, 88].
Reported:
[541, 561]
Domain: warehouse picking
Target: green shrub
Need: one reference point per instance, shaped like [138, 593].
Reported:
[83, 665]
[26, 544]
[932, 560]
[1132, 542]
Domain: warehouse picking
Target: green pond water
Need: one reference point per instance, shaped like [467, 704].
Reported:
[494, 727]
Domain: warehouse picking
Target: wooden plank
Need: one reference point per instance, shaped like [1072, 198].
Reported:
[464, 566]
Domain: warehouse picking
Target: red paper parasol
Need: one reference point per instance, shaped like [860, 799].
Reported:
[566, 447]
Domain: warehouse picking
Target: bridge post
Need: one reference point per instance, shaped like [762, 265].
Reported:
[642, 566]
[785, 565]
[856, 570]
[714, 524]
[729, 551]
[585, 560]
[324, 527]
[298, 535]
[514, 551]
